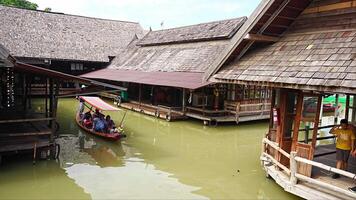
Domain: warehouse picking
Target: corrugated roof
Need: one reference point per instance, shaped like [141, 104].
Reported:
[318, 52]
[224, 29]
[38, 34]
[173, 79]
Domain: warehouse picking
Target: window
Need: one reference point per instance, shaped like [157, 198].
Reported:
[76, 67]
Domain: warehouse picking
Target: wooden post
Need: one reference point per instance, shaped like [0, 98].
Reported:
[273, 102]
[297, 120]
[183, 100]
[46, 97]
[353, 109]
[293, 168]
[139, 93]
[337, 111]
[347, 108]
[24, 86]
[316, 125]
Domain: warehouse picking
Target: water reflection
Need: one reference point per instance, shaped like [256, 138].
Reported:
[157, 160]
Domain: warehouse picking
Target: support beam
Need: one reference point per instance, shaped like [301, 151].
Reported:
[261, 38]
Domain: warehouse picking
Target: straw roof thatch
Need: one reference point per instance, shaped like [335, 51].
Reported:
[318, 52]
[38, 34]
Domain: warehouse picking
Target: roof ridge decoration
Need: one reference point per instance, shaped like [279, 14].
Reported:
[216, 30]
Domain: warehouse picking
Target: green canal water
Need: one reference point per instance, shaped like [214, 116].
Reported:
[157, 160]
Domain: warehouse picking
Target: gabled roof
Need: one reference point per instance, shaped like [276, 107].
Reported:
[182, 62]
[224, 29]
[38, 34]
[270, 18]
[318, 52]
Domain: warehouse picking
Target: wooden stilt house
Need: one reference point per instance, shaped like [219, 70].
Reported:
[26, 123]
[164, 73]
[313, 56]
[66, 43]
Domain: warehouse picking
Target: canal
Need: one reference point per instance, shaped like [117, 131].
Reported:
[157, 160]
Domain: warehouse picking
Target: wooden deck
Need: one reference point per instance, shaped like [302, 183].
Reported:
[310, 190]
[19, 136]
[167, 113]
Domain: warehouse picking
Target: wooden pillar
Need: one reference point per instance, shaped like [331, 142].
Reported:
[297, 120]
[353, 109]
[337, 111]
[316, 125]
[24, 92]
[46, 97]
[273, 105]
[139, 93]
[183, 100]
[347, 108]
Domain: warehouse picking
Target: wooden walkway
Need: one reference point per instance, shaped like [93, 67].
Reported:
[167, 113]
[21, 136]
[330, 160]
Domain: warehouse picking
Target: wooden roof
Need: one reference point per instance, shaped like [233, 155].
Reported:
[190, 56]
[224, 29]
[318, 52]
[38, 34]
[270, 19]
[178, 64]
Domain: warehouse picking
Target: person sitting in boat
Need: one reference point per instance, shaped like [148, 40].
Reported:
[345, 141]
[110, 124]
[87, 120]
[98, 114]
[99, 124]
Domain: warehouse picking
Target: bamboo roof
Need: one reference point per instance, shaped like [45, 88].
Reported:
[318, 52]
[38, 34]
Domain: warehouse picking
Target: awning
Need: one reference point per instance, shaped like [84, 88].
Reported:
[22, 67]
[98, 103]
[188, 80]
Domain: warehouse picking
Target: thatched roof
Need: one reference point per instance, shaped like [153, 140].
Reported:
[38, 34]
[318, 52]
[224, 29]
[180, 61]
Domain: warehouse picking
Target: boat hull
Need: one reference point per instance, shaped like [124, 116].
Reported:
[111, 136]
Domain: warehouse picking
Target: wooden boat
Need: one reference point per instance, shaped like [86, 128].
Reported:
[96, 102]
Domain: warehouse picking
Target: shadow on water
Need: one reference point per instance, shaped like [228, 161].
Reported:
[157, 160]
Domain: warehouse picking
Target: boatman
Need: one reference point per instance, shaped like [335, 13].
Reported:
[345, 141]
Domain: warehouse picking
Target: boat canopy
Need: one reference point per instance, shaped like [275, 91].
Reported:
[98, 103]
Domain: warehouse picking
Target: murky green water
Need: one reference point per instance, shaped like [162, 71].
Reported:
[158, 160]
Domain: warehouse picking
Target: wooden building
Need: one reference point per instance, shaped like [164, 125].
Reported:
[61, 42]
[164, 73]
[26, 123]
[312, 56]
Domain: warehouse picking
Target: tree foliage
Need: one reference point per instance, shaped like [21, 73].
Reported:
[20, 4]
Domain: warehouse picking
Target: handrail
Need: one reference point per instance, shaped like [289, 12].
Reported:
[326, 167]
[276, 147]
[293, 172]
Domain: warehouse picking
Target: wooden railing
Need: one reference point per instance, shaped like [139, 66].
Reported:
[293, 174]
[244, 109]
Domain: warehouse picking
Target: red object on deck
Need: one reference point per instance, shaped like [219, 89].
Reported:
[98, 103]
[188, 80]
